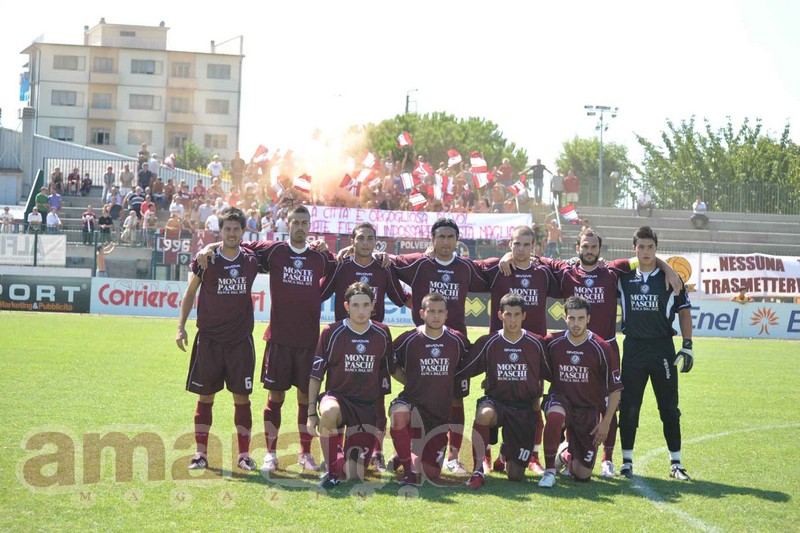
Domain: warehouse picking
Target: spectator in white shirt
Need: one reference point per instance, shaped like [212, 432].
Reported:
[215, 167]
[212, 222]
[204, 211]
[53, 222]
[644, 202]
[35, 221]
[699, 218]
[6, 220]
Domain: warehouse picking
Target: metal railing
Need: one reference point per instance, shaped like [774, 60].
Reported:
[764, 198]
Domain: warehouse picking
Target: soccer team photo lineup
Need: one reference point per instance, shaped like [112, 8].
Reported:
[551, 403]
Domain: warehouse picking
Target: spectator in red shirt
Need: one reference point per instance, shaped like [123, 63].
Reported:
[572, 188]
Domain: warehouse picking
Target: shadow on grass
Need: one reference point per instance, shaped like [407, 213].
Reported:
[671, 491]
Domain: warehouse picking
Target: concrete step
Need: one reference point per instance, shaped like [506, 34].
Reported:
[690, 234]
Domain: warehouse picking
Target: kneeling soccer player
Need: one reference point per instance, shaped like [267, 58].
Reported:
[354, 353]
[515, 364]
[584, 395]
[425, 360]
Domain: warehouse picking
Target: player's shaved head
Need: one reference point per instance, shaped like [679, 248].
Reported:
[298, 209]
[432, 297]
[523, 231]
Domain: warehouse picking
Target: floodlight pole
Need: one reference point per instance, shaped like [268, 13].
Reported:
[600, 111]
[408, 98]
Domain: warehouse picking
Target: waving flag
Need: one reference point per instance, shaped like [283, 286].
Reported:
[404, 139]
[276, 191]
[303, 183]
[482, 179]
[478, 163]
[517, 187]
[369, 161]
[570, 214]
[422, 170]
[408, 181]
[350, 185]
[418, 201]
[262, 155]
[366, 176]
[454, 158]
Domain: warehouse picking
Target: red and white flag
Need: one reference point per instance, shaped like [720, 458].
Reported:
[442, 189]
[369, 160]
[517, 187]
[478, 163]
[570, 214]
[276, 191]
[303, 183]
[350, 185]
[418, 201]
[404, 139]
[454, 158]
[482, 179]
[408, 181]
[366, 176]
[422, 170]
[262, 155]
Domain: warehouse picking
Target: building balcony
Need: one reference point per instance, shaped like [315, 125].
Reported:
[182, 83]
[106, 78]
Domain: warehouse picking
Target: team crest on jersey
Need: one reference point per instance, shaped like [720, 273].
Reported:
[364, 279]
[445, 278]
[525, 282]
[575, 359]
[645, 288]
[435, 352]
[298, 263]
[588, 282]
[234, 272]
[513, 357]
[360, 348]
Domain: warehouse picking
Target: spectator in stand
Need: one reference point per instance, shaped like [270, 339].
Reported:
[102, 252]
[537, 178]
[237, 169]
[86, 185]
[204, 211]
[251, 190]
[154, 164]
[42, 202]
[73, 182]
[557, 187]
[148, 205]
[267, 226]
[199, 192]
[585, 228]
[233, 197]
[505, 173]
[169, 191]
[174, 222]
[143, 156]
[538, 238]
[215, 190]
[130, 227]
[126, 180]
[157, 193]
[184, 196]
[6, 220]
[114, 202]
[149, 226]
[53, 222]
[176, 208]
[699, 218]
[55, 200]
[57, 180]
[88, 224]
[742, 297]
[109, 180]
[281, 227]
[34, 221]
[134, 201]
[106, 224]
[644, 202]
[145, 176]
[572, 188]
[251, 226]
[212, 222]
[498, 197]
[215, 168]
[553, 240]
[188, 226]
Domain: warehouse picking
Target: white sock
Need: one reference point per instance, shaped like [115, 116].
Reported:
[675, 456]
[536, 448]
[627, 455]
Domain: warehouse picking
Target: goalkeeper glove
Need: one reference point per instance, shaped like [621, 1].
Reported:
[687, 354]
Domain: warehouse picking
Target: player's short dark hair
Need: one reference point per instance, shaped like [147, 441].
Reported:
[576, 302]
[431, 297]
[444, 223]
[364, 225]
[359, 288]
[232, 214]
[645, 232]
[524, 231]
[298, 209]
[590, 233]
[512, 300]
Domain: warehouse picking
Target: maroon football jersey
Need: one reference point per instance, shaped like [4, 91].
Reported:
[597, 286]
[585, 373]
[383, 281]
[453, 281]
[534, 284]
[514, 370]
[224, 305]
[294, 287]
[354, 362]
[430, 366]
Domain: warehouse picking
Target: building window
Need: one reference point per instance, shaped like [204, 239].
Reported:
[143, 101]
[179, 105]
[103, 64]
[127, 33]
[62, 133]
[102, 100]
[140, 136]
[100, 136]
[217, 107]
[181, 70]
[219, 142]
[218, 72]
[144, 66]
[65, 98]
[176, 139]
[65, 62]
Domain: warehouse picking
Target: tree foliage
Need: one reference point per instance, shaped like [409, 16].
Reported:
[192, 157]
[582, 156]
[433, 134]
[733, 169]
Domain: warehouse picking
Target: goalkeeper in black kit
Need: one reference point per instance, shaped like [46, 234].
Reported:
[648, 310]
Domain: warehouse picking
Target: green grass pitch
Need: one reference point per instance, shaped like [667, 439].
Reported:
[71, 383]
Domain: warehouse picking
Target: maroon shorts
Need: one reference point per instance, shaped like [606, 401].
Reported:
[519, 429]
[360, 419]
[581, 421]
[215, 364]
[430, 436]
[285, 367]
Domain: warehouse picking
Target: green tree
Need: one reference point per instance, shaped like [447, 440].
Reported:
[582, 156]
[192, 157]
[734, 169]
[436, 133]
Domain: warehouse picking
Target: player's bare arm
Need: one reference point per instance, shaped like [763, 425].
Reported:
[600, 431]
[312, 421]
[186, 307]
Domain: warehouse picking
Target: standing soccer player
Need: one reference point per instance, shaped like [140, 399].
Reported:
[425, 360]
[515, 364]
[584, 394]
[648, 310]
[363, 267]
[354, 353]
[223, 351]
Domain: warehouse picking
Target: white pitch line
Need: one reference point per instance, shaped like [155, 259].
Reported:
[656, 499]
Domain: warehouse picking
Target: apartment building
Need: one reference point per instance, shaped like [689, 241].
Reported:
[122, 88]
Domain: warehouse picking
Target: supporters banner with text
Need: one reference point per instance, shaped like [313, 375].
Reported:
[51, 250]
[406, 224]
